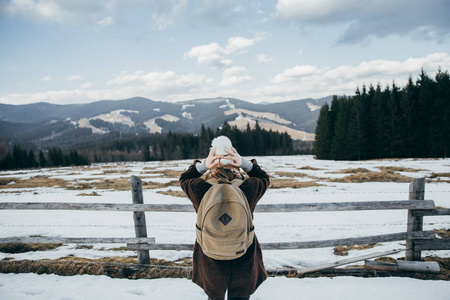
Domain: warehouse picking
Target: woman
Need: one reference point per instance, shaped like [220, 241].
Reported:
[240, 276]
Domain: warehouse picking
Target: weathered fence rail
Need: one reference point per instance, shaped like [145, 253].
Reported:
[296, 207]
[417, 240]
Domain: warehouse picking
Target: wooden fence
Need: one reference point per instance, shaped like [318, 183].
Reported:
[417, 239]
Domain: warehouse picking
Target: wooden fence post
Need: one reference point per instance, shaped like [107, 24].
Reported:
[415, 222]
[140, 226]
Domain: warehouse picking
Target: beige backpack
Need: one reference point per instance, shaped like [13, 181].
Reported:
[224, 221]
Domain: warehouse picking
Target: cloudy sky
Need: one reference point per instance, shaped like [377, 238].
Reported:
[78, 51]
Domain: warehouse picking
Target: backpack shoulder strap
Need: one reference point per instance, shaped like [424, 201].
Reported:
[237, 182]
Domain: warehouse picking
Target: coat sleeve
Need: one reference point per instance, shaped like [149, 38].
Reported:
[193, 186]
[256, 185]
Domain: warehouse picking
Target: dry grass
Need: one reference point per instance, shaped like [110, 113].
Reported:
[115, 267]
[173, 193]
[400, 169]
[119, 267]
[22, 248]
[110, 259]
[352, 171]
[386, 259]
[166, 173]
[309, 168]
[89, 194]
[343, 251]
[33, 182]
[443, 233]
[116, 171]
[438, 175]
[383, 176]
[289, 174]
[289, 183]
[118, 184]
[113, 249]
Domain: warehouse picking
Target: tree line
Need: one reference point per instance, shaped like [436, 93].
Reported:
[152, 147]
[394, 122]
[20, 158]
[256, 141]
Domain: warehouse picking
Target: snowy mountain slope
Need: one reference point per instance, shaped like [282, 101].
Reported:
[139, 115]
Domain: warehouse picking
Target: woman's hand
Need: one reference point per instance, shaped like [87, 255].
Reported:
[235, 157]
[212, 160]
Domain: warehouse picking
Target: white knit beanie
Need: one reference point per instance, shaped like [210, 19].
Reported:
[222, 143]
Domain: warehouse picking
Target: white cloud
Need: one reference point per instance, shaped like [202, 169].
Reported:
[103, 23]
[56, 11]
[46, 78]
[214, 55]
[167, 11]
[296, 73]
[344, 79]
[75, 78]
[234, 75]
[86, 85]
[262, 58]
[156, 81]
[211, 55]
[298, 82]
[365, 19]
[236, 44]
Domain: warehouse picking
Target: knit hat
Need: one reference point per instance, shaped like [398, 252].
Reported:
[222, 143]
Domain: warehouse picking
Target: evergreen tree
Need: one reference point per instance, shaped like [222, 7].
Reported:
[42, 160]
[322, 144]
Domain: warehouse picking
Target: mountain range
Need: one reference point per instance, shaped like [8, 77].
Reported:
[46, 124]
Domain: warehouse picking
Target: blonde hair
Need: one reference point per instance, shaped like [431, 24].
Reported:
[227, 174]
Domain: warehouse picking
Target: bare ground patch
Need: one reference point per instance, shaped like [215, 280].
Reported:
[33, 182]
[22, 248]
[114, 267]
[166, 173]
[352, 171]
[343, 250]
[443, 233]
[118, 184]
[173, 193]
[383, 176]
[289, 174]
[400, 169]
[89, 194]
[279, 183]
[309, 168]
[437, 177]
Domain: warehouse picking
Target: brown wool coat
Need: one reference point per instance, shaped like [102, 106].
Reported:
[240, 276]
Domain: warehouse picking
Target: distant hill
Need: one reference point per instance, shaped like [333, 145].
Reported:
[51, 124]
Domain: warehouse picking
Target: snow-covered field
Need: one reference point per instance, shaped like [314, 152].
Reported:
[178, 228]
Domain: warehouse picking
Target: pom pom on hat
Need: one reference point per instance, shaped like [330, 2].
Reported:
[222, 143]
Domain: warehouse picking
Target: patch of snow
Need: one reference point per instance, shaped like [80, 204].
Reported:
[155, 128]
[228, 105]
[177, 227]
[313, 107]
[187, 115]
[186, 106]
[152, 126]
[169, 118]
[85, 123]
[262, 115]
[115, 116]
[241, 123]
[49, 286]
[156, 109]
